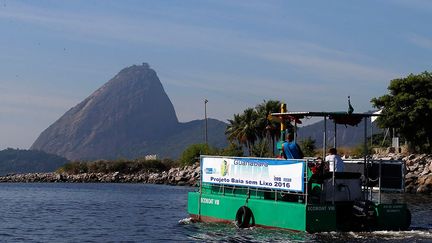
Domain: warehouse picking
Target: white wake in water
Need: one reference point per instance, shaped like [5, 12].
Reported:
[186, 221]
[394, 236]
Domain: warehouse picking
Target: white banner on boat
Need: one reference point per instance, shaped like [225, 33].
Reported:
[268, 173]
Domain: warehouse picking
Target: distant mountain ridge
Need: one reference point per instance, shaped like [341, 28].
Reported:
[18, 161]
[128, 117]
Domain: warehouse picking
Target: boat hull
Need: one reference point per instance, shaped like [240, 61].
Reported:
[298, 216]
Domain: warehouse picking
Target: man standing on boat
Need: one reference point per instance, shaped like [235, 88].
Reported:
[290, 149]
[335, 161]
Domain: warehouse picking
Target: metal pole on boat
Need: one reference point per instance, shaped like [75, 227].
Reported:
[333, 181]
[305, 182]
[325, 137]
[379, 182]
[364, 157]
[334, 163]
[371, 134]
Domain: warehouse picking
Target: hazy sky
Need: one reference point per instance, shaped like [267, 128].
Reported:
[309, 54]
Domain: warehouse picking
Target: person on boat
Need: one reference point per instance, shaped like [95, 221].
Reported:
[320, 167]
[335, 161]
[290, 149]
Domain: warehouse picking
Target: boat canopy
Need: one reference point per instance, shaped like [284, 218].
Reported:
[344, 118]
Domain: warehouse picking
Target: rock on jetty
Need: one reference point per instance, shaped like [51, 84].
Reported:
[181, 176]
[418, 177]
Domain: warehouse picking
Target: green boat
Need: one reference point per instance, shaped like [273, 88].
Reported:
[280, 193]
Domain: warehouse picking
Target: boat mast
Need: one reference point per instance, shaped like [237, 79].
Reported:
[325, 137]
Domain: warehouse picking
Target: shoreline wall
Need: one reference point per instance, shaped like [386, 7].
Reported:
[418, 175]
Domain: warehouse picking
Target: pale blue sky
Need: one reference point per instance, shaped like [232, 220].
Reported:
[309, 54]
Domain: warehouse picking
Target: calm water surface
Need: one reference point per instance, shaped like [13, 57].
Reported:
[149, 213]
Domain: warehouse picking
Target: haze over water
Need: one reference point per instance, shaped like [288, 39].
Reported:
[148, 213]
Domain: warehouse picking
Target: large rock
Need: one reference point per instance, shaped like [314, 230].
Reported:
[130, 116]
[410, 175]
[422, 189]
[419, 176]
[428, 181]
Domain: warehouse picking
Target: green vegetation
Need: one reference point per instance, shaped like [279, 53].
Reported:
[28, 161]
[308, 147]
[253, 130]
[191, 154]
[380, 140]
[122, 166]
[261, 149]
[408, 109]
[233, 149]
[242, 129]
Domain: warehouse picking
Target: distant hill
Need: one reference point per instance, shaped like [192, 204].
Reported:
[193, 132]
[130, 116]
[14, 161]
[173, 144]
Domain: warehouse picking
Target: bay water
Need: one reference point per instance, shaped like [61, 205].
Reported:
[62, 212]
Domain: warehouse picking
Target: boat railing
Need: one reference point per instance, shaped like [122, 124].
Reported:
[248, 191]
[379, 175]
[387, 175]
[284, 194]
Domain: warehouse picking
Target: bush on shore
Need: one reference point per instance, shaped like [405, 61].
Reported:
[122, 166]
[192, 153]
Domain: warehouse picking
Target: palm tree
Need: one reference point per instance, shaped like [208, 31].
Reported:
[243, 128]
[249, 131]
[268, 127]
[254, 125]
[233, 129]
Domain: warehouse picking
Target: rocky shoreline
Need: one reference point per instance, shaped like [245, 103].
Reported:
[180, 176]
[418, 177]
